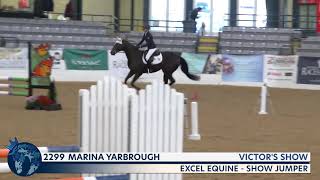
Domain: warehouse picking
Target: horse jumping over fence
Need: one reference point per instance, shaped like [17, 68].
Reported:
[169, 64]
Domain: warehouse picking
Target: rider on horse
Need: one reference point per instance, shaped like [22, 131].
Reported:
[149, 44]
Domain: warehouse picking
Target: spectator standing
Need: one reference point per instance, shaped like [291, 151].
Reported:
[194, 13]
[38, 9]
[203, 29]
[48, 5]
[68, 12]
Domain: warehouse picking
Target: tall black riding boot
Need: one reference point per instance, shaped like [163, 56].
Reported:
[149, 65]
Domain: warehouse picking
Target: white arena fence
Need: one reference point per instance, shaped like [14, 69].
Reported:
[115, 118]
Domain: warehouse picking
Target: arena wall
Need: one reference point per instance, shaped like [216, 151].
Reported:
[100, 7]
[13, 3]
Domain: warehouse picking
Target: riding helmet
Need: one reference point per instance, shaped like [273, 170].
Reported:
[146, 26]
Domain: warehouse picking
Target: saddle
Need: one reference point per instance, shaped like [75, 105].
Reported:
[156, 55]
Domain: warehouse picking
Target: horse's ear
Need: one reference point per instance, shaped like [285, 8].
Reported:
[124, 37]
[117, 34]
[118, 40]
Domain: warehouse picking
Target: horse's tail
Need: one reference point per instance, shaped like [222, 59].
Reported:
[185, 70]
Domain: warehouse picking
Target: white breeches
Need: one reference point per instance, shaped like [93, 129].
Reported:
[150, 52]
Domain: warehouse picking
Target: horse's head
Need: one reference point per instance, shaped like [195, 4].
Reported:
[118, 46]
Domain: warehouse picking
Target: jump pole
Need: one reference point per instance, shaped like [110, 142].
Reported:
[186, 114]
[4, 152]
[18, 86]
[194, 122]
[30, 90]
[4, 168]
[16, 79]
[14, 93]
[263, 100]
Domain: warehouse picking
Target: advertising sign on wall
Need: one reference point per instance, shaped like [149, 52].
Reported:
[58, 62]
[196, 62]
[85, 59]
[309, 70]
[246, 10]
[242, 68]
[118, 65]
[280, 70]
[13, 58]
[213, 65]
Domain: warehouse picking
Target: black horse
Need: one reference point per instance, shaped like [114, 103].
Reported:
[169, 64]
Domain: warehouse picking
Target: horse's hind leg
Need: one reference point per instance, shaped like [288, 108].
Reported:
[135, 78]
[128, 77]
[169, 69]
[172, 80]
[165, 79]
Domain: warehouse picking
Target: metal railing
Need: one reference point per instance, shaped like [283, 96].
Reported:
[110, 21]
[160, 25]
[14, 41]
[305, 23]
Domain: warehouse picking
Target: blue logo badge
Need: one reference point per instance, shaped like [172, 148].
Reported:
[24, 159]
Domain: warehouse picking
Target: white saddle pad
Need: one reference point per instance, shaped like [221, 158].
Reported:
[157, 59]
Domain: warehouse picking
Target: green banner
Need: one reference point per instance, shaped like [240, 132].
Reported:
[85, 59]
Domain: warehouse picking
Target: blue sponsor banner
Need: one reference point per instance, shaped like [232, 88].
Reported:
[309, 70]
[213, 65]
[242, 68]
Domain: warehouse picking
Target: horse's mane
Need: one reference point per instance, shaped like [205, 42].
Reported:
[126, 41]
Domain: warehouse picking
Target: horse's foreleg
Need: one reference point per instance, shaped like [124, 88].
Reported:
[135, 78]
[128, 77]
